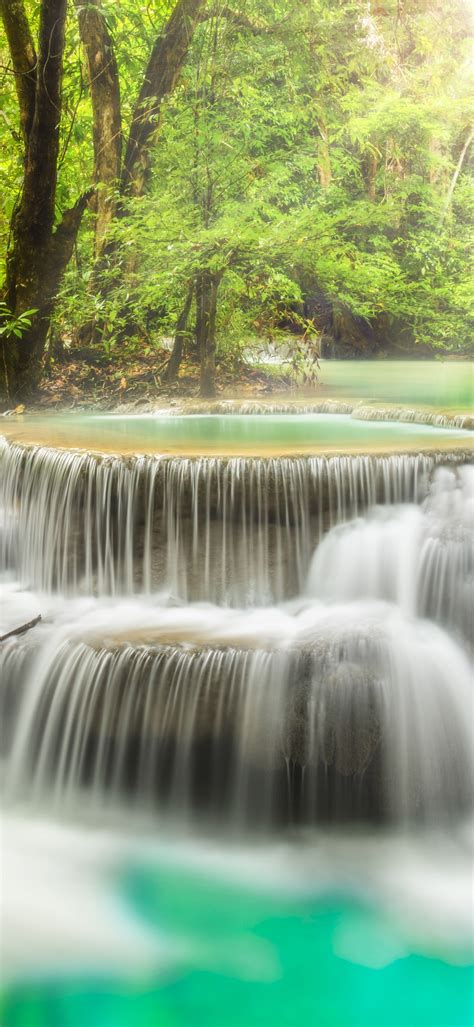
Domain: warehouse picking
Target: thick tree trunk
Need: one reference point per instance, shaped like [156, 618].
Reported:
[34, 217]
[206, 309]
[173, 365]
[21, 363]
[106, 111]
[37, 254]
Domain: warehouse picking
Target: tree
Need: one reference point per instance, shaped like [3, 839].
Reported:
[104, 87]
[39, 250]
[115, 178]
[312, 170]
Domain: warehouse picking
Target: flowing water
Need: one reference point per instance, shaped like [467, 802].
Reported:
[334, 720]
[263, 648]
[236, 530]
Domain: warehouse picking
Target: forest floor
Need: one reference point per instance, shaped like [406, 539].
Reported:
[107, 383]
[132, 381]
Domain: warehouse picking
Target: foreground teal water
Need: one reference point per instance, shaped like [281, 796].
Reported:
[251, 959]
[231, 434]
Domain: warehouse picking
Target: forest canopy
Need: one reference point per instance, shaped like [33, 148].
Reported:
[225, 174]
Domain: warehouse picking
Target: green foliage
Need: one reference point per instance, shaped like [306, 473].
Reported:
[14, 325]
[307, 149]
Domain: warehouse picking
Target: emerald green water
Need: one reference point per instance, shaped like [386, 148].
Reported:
[443, 384]
[251, 959]
[230, 434]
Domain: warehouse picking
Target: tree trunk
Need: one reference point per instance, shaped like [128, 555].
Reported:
[351, 335]
[324, 158]
[106, 112]
[37, 254]
[369, 169]
[164, 66]
[23, 55]
[206, 309]
[22, 359]
[173, 365]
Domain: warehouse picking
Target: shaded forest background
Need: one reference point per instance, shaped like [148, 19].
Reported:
[230, 176]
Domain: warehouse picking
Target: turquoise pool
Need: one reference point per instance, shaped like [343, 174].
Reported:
[230, 434]
[253, 959]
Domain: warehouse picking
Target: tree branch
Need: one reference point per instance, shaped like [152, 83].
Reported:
[22, 629]
[236, 18]
[457, 172]
[64, 238]
[164, 66]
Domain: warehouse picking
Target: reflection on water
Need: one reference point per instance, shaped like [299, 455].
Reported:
[100, 929]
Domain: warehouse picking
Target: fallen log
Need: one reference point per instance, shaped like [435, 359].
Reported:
[21, 629]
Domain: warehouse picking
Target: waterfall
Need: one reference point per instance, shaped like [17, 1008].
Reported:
[405, 415]
[421, 558]
[152, 681]
[237, 530]
[358, 410]
[360, 714]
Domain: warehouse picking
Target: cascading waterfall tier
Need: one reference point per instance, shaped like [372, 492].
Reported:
[236, 530]
[358, 410]
[406, 415]
[362, 714]
[421, 558]
[339, 703]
